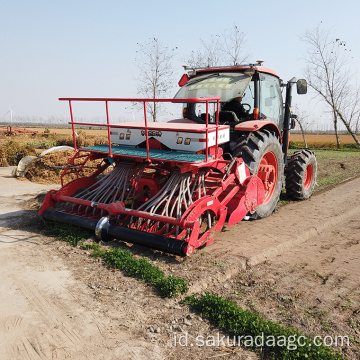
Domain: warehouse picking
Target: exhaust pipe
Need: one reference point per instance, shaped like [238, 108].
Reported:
[105, 230]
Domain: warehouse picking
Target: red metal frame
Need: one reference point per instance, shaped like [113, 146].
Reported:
[227, 193]
[222, 186]
[146, 127]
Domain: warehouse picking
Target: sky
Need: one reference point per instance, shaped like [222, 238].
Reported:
[78, 48]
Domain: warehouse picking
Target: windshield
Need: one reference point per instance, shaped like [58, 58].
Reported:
[225, 85]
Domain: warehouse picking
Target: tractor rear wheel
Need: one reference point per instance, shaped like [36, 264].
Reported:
[262, 154]
[301, 175]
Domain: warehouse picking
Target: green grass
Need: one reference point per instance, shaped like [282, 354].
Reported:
[123, 260]
[337, 154]
[142, 269]
[334, 166]
[323, 146]
[244, 326]
[71, 234]
[43, 144]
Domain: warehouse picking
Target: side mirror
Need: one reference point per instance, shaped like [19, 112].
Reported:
[293, 121]
[301, 86]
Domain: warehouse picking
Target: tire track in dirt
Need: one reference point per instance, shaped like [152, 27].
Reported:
[252, 242]
[48, 314]
[44, 313]
[307, 235]
[59, 332]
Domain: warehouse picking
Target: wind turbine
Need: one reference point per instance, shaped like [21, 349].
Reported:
[11, 112]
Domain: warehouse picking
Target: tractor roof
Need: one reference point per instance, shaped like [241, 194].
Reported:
[236, 68]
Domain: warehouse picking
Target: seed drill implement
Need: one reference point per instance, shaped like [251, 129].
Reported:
[170, 185]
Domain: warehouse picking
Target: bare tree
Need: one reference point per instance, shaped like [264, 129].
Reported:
[351, 109]
[208, 55]
[232, 46]
[302, 118]
[328, 74]
[225, 49]
[154, 61]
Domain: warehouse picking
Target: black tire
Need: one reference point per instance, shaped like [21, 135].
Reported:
[258, 148]
[301, 175]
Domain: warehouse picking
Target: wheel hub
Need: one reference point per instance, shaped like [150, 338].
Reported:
[308, 176]
[268, 174]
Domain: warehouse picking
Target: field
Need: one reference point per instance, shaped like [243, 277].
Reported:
[334, 166]
[310, 137]
[298, 267]
[322, 140]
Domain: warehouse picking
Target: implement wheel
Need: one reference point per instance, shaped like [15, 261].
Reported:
[262, 154]
[301, 175]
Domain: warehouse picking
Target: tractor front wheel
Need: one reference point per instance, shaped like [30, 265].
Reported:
[262, 154]
[301, 175]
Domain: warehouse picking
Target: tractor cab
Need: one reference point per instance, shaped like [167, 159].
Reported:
[246, 92]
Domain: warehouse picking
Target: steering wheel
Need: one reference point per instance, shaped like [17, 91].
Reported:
[247, 105]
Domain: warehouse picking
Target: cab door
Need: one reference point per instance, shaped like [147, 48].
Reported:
[271, 101]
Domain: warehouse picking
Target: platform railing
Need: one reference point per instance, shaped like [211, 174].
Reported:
[145, 127]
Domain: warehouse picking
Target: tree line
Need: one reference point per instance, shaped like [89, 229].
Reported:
[326, 68]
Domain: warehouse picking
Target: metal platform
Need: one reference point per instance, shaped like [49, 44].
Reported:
[154, 154]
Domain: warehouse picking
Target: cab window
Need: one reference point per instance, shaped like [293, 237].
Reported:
[271, 104]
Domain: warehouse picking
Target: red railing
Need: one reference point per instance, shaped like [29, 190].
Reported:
[146, 128]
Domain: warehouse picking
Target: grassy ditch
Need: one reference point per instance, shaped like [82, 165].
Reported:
[324, 145]
[334, 167]
[278, 342]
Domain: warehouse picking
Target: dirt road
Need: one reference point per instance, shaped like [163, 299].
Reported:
[299, 266]
[44, 312]
[324, 215]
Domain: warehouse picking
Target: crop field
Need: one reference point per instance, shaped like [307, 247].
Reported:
[334, 166]
[314, 140]
[321, 138]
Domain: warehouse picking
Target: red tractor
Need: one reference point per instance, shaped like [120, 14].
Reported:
[260, 123]
[173, 183]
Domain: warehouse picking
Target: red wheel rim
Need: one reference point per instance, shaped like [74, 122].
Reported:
[268, 173]
[309, 173]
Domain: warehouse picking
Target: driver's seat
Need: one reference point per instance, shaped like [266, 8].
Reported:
[228, 117]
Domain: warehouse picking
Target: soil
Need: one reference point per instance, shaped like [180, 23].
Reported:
[300, 266]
